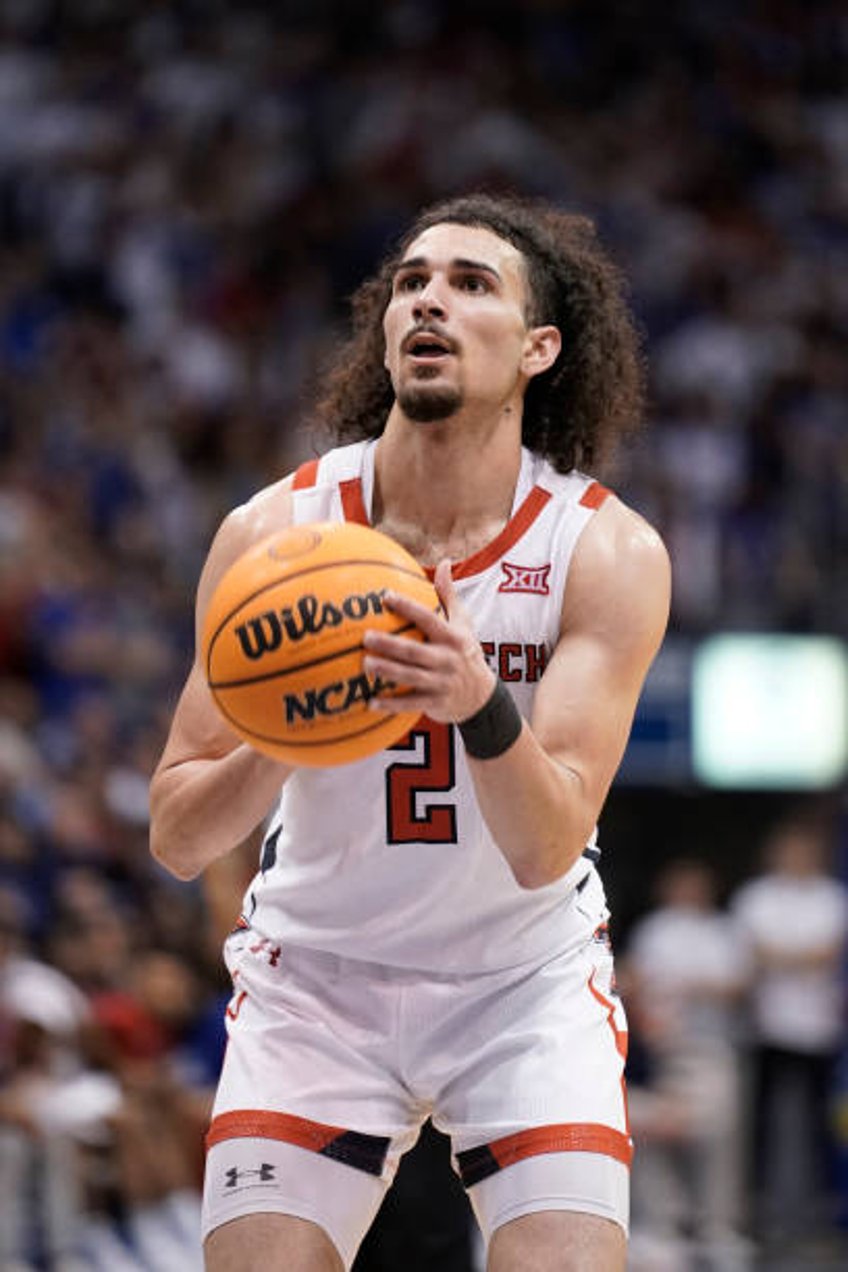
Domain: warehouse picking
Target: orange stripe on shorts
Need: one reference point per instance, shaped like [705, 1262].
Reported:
[479, 1163]
[353, 1148]
[264, 1124]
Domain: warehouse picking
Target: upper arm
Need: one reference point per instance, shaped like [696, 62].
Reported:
[198, 730]
[614, 617]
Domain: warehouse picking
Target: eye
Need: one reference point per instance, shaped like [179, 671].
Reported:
[410, 282]
[473, 283]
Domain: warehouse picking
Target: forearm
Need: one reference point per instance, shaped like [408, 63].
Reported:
[535, 808]
[203, 808]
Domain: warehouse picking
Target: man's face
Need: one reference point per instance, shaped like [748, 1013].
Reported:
[455, 325]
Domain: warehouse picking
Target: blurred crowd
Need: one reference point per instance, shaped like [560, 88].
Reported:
[737, 1067]
[189, 193]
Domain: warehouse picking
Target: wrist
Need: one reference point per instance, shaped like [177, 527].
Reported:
[493, 729]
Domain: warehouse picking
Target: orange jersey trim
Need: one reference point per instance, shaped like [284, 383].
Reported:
[593, 496]
[508, 537]
[354, 508]
[306, 475]
[353, 504]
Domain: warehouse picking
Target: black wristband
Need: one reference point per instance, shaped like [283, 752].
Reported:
[493, 729]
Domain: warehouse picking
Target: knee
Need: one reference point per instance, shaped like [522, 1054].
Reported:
[558, 1241]
[270, 1243]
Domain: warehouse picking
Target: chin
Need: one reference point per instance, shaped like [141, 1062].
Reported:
[425, 405]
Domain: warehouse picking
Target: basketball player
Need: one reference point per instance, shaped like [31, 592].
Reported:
[426, 935]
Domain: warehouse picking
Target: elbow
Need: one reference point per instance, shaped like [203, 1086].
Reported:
[546, 866]
[531, 878]
[538, 872]
[167, 842]
[165, 850]
[181, 868]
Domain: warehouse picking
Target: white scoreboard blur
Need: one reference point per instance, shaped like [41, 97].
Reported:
[770, 711]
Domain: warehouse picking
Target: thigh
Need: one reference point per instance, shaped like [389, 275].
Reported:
[310, 1117]
[558, 1183]
[537, 1114]
[270, 1243]
[314, 1037]
[558, 1242]
[248, 1179]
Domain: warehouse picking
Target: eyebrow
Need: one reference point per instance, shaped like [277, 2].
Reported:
[459, 262]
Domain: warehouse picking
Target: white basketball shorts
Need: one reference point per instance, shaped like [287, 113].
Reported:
[333, 1064]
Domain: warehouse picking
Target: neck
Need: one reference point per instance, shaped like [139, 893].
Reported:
[448, 484]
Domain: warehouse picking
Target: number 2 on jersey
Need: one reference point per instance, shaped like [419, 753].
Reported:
[434, 770]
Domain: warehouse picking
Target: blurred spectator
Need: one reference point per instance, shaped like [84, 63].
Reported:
[146, 1024]
[105, 1098]
[794, 920]
[53, 1106]
[683, 976]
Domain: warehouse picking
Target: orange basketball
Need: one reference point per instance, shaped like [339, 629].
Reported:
[282, 641]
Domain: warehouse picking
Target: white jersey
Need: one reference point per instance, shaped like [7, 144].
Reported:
[389, 859]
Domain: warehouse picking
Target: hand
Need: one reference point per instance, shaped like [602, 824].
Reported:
[446, 676]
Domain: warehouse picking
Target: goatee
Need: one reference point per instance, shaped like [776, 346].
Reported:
[424, 403]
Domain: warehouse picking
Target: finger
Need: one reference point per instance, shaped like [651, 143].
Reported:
[432, 625]
[445, 590]
[401, 649]
[455, 612]
[391, 669]
[401, 703]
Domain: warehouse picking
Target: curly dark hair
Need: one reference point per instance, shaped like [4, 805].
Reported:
[574, 411]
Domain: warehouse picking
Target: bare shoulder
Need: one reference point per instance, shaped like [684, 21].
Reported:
[620, 576]
[268, 510]
[622, 537]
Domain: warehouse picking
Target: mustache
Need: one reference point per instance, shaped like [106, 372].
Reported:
[431, 328]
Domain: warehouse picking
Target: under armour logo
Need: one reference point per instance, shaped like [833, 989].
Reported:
[525, 578]
[262, 1173]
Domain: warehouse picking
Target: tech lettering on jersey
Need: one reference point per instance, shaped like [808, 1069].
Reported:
[513, 660]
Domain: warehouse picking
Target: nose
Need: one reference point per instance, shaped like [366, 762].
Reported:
[428, 302]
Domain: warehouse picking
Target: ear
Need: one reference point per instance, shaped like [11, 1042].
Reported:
[541, 350]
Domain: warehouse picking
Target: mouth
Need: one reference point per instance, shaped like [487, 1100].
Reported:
[426, 347]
